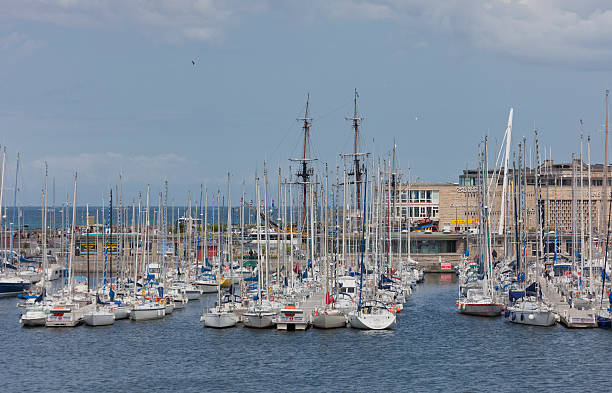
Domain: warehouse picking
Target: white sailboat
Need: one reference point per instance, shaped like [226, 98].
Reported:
[327, 317]
[100, 316]
[531, 312]
[260, 315]
[220, 316]
[147, 311]
[373, 315]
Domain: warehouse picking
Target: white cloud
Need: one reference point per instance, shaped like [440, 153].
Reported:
[564, 31]
[176, 20]
[19, 44]
[569, 32]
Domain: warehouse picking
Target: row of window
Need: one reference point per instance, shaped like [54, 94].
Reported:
[421, 196]
[472, 181]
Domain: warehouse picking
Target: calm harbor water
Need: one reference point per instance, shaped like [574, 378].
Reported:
[432, 349]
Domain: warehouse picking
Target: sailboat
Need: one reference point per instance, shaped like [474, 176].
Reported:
[144, 310]
[260, 315]
[478, 300]
[102, 315]
[327, 317]
[370, 314]
[221, 316]
[36, 313]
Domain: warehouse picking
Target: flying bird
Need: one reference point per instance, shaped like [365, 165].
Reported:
[193, 62]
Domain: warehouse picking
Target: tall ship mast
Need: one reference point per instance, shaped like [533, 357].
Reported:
[356, 120]
[305, 172]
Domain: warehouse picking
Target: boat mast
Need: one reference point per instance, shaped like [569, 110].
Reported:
[259, 272]
[290, 237]
[581, 208]
[87, 237]
[305, 173]
[508, 137]
[111, 294]
[229, 233]
[2, 187]
[325, 258]
[363, 246]
[590, 214]
[539, 205]
[604, 197]
[70, 275]
[278, 230]
[44, 270]
[206, 227]
[357, 168]
[266, 228]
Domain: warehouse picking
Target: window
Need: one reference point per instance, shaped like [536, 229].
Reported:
[435, 198]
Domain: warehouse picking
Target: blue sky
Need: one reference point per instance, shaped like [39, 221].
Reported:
[106, 87]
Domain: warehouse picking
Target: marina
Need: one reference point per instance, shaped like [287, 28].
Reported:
[309, 261]
[360, 195]
[423, 352]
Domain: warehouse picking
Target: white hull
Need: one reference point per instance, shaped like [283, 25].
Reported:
[122, 312]
[193, 294]
[68, 319]
[99, 318]
[531, 317]
[291, 326]
[209, 287]
[258, 320]
[169, 308]
[480, 309]
[359, 320]
[573, 318]
[291, 318]
[329, 320]
[219, 320]
[147, 313]
[33, 318]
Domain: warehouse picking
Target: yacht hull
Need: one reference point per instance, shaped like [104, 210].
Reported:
[578, 319]
[481, 309]
[146, 314]
[208, 287]
[372, 321]
[533, 318]
[122, 312]
[329, 320]
[13, 287]
[33, 318]
[68, 319]
[258, 320]
[219, 320]
[99, 318]
[193, 294]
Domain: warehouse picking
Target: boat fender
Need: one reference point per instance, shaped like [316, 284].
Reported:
[513, 316]
[531, 317]
[522, 317]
